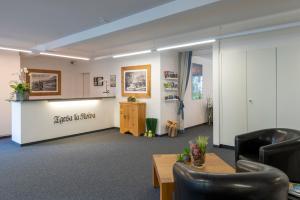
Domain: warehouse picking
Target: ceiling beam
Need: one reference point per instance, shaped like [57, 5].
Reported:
[149, 15]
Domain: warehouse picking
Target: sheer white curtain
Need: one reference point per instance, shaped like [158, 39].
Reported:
[184, 67]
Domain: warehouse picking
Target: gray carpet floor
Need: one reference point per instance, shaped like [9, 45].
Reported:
[103, 166]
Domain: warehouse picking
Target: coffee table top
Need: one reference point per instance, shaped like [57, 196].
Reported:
[163, 164]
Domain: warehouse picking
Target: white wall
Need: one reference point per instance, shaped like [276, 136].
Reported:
[196, 110]
[286, 39]
[113, 66]
[70, 78]
[9, 64]
[168, 62]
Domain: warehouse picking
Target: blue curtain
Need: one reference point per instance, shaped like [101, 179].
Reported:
[184, 68]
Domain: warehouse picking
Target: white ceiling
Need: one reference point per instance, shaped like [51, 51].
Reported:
[26, 23]
[164, 31]
[31, 22]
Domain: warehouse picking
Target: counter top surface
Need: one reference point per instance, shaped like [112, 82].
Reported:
[65, 99]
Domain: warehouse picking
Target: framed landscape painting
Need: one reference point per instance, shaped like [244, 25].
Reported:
[44, 82]
[136, 81]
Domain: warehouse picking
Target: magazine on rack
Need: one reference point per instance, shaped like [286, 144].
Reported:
[295, 189]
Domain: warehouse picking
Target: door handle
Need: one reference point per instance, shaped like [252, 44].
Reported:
[250, 100]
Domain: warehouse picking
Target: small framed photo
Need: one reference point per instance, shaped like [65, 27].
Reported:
[98, 81]
[113, 80]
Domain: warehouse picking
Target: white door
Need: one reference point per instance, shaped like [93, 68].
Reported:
[261, 88]
[233, 96]
[288, 92]
[86, 84]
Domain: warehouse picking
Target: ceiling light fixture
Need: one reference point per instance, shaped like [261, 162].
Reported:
[16, 50]
[132, 54]
[102, 57]
[186, 45]
[64, 56]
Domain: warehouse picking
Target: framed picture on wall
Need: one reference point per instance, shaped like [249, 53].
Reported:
[44, 82]
[98, 81]
[113, 80]
[136, 81]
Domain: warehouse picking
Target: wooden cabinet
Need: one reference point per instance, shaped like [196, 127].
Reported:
[132, 117]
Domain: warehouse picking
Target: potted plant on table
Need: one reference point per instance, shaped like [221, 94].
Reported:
[185, 157]
[198, 150]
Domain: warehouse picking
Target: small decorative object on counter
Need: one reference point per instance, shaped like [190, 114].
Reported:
[131, 99]
[20, 88]
[171, 128]
[198, 151]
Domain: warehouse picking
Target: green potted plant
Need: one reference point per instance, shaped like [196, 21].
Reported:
[20, 87]
[185, 157]
[131, 99]
[21, 90]
[198, 150]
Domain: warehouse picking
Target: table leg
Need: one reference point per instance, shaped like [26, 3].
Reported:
[166, 191]
[154, 177]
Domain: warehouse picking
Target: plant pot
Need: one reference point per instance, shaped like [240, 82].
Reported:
[198, 161]
[22, 96]
[198, 157]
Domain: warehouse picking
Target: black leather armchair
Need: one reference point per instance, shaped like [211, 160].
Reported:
[279, 148]
[254, 181]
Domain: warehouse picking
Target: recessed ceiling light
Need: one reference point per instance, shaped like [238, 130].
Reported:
[64, 56]
[186, 45]
[132, 54]
[16, 50]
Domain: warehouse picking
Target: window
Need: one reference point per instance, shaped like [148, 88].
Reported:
[197, 81]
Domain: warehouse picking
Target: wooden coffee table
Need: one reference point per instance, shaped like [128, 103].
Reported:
[163, 171]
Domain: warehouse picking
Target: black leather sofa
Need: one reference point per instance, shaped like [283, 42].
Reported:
[279, 148]
[254, 181]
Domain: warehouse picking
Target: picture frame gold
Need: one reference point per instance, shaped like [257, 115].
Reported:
[136, 81]
[42, 91]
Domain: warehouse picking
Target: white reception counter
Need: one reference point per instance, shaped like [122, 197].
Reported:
[44, 119]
